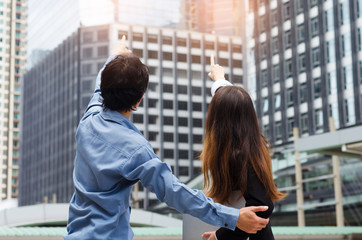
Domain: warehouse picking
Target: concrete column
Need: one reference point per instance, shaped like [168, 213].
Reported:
[299, 183]
[337, 183]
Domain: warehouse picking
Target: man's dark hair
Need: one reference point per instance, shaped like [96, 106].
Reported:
[123, 82]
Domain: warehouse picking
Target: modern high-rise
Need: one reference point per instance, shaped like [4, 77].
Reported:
[306, 58]
[224, 17]
[171, 115]
[13, 16]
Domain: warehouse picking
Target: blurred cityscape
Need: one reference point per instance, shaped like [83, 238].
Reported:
[300, 60]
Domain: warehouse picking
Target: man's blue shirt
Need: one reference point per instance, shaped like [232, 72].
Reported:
[112, 155]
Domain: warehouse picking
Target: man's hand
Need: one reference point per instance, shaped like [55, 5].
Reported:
[121, 49]
[249, 222]
[216, 71]
[209, 235]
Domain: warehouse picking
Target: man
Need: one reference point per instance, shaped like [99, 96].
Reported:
[112, 155]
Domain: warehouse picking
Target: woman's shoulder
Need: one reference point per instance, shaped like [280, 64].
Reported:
[236, 200]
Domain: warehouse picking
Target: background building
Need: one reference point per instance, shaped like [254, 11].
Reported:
[12, 60]
[171, 115]
[308, 66]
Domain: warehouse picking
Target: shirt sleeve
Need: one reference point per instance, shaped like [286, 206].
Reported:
[97, 99]
[218, 84]
[157, 177]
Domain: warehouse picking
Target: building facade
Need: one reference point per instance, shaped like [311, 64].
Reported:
[171, 115]
[13, 16]
[308, 66]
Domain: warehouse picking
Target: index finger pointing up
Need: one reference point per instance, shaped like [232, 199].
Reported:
[123, 41]
[212, 60]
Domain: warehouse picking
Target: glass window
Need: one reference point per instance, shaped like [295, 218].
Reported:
[276, 73]
[344, 12]
[331, 53]
[278, 130]
[262, 23]
[329, 20]
[359, 8]
[183, 122]
[167, 104]
[360, 38]
[288, 68]
[350, 113]
[300, 4]
[348, 77]
[333, 111]
[290, 127]
[301, 62]
[264, 78]
[87, 52]
[102, 51]
[319, 119]
[304, 121]
[332, 82]
[300, 33]
[277, 102]
[313, 3]
[346, 44]
[287, 39]
[182, 105]
[102, 35]
[275, 45]
[265, 105]
[263, 50]
[315, 57]
[87, 37]
[290, 98]
[181, 89]
[303, 92]
[286, 10]
[137, 118]
[317, 88]
[314, 26]
[274, 17]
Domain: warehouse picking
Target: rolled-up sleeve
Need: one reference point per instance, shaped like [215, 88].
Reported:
[158, 178]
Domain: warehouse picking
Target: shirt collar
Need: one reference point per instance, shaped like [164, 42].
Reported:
[114, 116]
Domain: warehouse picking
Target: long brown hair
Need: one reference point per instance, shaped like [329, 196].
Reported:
[233, 142]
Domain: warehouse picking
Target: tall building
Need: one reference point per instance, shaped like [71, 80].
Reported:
[224, 17]
[13, 16]
[307, 68]
[171, 115]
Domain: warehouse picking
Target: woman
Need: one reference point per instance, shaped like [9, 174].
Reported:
[235, 159]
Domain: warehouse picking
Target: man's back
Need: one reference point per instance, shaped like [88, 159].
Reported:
[106, 141]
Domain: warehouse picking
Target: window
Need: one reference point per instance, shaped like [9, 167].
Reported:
[346, 44]
[317, 88]
[182, 105]
[313, 3]
[288, 68]
[196, 91]
[286, 9]
[181, 42]
[278, 131]
[264, 78]
[274, 17]
[152, 38]
[315, 57]
[348, 77]
[168, 120]
[167, 56]
[287, 39]
[277, 102]
[350, 113]
[344, 7]
[184, 138]
[265, 105]
[167, 88]
[263, 50]
[276, 73]
[304, 120]
[329, 20]
[196, 106]
[359, 8]
[87, 52]
[103, 51]
[314, 27]
[152, 54]
[197, 122]
[302, 63]
[331, 53]
[360, 38]
[290, 127]
[303, 92]
[181, 57]
[137, 118]
[318, 119]
[87, 68]
[167, 104]
[275, 45]
[332, 82]
[181, 89]
[102, 35]
[195, 43]
[183, 122]
[300, 33]
[300, 4]
[138, 37]
[166, 40]
[262, 23]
